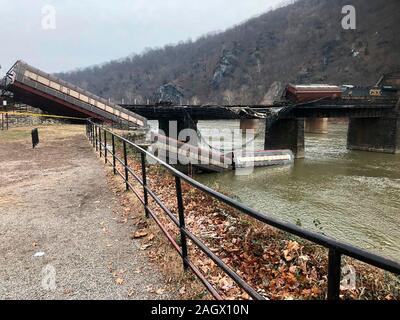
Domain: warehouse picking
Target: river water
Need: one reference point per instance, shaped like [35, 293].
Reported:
[348, 195]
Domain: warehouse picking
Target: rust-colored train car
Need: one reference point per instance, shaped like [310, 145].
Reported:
[304, 93]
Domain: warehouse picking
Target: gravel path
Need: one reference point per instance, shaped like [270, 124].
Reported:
[54, 200]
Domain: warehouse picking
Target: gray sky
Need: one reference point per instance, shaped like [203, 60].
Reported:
[89, 32]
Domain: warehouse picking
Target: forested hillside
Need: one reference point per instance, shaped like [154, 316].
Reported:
[302, 43]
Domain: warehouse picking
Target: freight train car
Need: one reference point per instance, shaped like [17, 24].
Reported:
[55, 96]
[304, 93]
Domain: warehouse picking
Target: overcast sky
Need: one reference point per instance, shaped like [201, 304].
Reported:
[89, 32]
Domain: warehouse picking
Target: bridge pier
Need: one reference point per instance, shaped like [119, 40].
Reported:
[374, 134]
[169, 126]
[316, 125]
[286, 134]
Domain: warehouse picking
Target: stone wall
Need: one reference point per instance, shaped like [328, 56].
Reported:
[25, 120]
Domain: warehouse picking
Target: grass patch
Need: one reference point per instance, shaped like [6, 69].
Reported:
[45, 131]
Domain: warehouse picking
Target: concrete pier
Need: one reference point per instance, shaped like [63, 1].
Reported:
[180, 124]
[316, 125]
[286, 134]
[374, 134]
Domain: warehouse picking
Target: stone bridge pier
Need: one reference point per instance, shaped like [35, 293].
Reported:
[286, 134]
[316, 125]
[381, 134]
[167, 125]
[374, 134]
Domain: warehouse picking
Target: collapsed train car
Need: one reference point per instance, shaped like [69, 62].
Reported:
[55, 96]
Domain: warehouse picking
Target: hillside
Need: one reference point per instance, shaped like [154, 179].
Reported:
[302, 43]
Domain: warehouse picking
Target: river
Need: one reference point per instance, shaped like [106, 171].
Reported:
[348, 195]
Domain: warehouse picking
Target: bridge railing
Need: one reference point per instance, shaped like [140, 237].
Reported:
[100, 139]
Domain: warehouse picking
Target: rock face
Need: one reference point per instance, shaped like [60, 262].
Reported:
[274, 93]
[169, 93]
[301, 43]
[225, 67]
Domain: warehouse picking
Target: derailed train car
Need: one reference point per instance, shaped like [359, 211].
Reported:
[55, 96]
[310, 92]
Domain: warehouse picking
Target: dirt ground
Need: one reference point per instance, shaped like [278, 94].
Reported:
[54, 202]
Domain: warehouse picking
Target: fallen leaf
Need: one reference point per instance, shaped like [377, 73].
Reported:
[130, 293]
[119, 281]
[245, 296]
[145, 247]
[67, 291]
[293, 246]
[160, 291]
[293, 269]
[182, 290]
[150, 237]
[140, 234]
[287, 255]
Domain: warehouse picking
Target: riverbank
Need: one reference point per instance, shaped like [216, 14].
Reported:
[278, 265]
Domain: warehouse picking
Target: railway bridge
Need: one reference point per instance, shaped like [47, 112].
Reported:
[374, 122]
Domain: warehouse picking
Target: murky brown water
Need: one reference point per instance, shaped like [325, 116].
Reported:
[355, 196]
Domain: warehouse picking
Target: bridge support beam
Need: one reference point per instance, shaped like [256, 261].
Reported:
[374, 134]
[316, 125]
[286, 134]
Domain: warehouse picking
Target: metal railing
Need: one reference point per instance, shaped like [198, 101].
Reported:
[98, 137]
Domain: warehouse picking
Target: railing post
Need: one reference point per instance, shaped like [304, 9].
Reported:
[113, 152]
[181, 214]
[91, 132]
[100, 142]
[126, 165]
[93, 142]
[96, 138]
[105, 146]
[144, 179]
[334, 274]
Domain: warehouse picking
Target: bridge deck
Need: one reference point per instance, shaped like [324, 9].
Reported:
[369, 107]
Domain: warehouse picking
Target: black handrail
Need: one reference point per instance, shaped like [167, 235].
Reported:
[336, 248]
